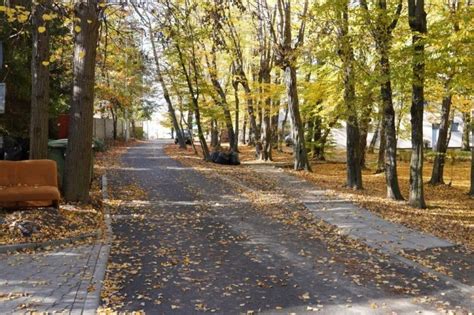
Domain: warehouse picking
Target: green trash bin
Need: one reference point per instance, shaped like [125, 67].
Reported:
[57, 152]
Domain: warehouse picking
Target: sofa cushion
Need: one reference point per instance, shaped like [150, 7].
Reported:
[7, 173]
[29, 193]
[36, 172]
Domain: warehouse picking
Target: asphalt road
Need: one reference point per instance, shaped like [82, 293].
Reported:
[186, 244]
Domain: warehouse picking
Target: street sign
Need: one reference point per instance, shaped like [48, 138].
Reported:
[2, 97]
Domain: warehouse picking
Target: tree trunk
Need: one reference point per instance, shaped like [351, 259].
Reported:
[466, 118]
[281, 133]
[214, 133]
[417, 22]
[235, 85]
[346, 53]
[77, 174]
[364, 130]
[381, 153]
[166, 95]
[299, 149]
[441, 143]
[266, 136]
[253, 130]
[391, 176]
[471, 191]
[222, 99]
[39, 83]
[244, 130]
[417, 198]
[373, 141]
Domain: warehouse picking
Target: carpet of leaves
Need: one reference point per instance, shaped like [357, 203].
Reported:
[269, 200]
[450, 210]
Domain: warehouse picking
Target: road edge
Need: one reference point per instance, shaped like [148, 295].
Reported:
[92, 300]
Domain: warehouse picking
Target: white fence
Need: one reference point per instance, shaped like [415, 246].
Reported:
[104, 128]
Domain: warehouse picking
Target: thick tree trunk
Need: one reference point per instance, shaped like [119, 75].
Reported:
[417, 22]
[391, 176]
[39, 83]
[77, 174]
[346, 53]
[441, 143]
[417, 198]
[299, 149]
[466, 118]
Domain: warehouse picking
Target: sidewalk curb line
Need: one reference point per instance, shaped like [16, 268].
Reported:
[16, 247]
[92, 300]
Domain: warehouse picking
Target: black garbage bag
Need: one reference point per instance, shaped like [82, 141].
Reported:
[231, 158]
[214, 156]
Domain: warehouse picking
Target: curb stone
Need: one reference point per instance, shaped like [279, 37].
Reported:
[17, 247]
[92, 300]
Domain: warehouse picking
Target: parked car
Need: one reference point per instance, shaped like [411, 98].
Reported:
[188, 138]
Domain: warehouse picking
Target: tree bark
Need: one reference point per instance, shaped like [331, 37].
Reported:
[374, 139]
[266, 135]
[346, 53]
[222, 100]
[391, 176]
[364, 130]
[442, 142]
[466, 118]
[77, 174]
[235, 85]
[285, 55]
[166, 94]
[214, 133]
[39, 83]
[382, 34]
[193, 94]
[299, 149]
[281, 132]
[417, 22]
[471, 191]
[381, 153]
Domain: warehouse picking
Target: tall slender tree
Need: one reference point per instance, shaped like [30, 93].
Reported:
[346, 54]
[39, 81]
[285, 49]
[418, 26]
[381, 28]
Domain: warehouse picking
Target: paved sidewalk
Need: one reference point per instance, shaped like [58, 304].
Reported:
[352, 220]
[58, 280]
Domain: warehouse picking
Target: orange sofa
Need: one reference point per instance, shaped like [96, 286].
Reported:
[29, 183]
